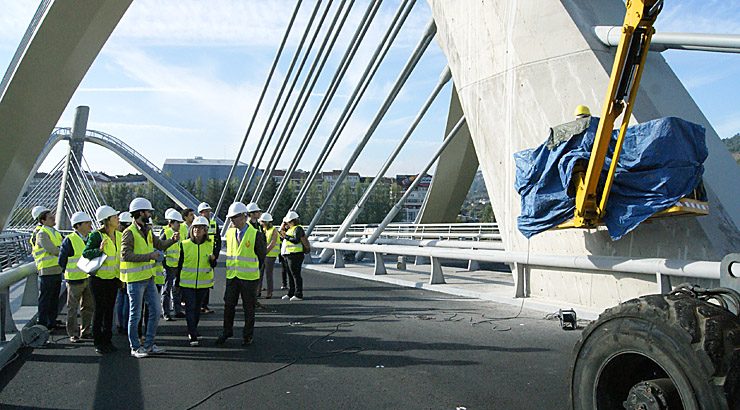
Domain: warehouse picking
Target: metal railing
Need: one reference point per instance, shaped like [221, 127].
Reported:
[461, 231]
[14, 248]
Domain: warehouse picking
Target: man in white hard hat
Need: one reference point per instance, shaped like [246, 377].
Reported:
[122, 306]
[214, 234]
[45, 243]
[79, 297]
[243, 250]
[170, 293]
[138, 268]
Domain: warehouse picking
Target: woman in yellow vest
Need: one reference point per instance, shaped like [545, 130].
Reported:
[45, 243]
[104, 282]
[295, 244]
[273, 250]
[195, 273]
[79, 295]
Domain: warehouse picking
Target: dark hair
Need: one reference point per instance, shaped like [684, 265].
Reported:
[136, 214]
[43, 216]
[185, 212]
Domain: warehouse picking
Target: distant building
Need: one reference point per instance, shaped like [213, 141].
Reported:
[331, 177]
[412, 206]
[190, 169]
[131, 179]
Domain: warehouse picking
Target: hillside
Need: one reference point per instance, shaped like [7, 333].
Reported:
[733, 144]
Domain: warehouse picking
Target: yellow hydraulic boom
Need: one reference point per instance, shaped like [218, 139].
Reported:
[623, 85]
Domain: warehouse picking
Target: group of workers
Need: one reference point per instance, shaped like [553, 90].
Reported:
[123, 264]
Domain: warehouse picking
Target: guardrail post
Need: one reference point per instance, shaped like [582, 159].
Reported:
[520, 272]
[31, 291]
[437, 276]
[421, 260]
[664, 283]
[473, 266]
[379, 264]
[7, 325]
[338, 258]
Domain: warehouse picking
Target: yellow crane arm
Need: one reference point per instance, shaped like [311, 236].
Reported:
[623, 85]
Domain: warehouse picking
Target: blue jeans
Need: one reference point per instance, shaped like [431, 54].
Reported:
[122, 308]
[141, 292]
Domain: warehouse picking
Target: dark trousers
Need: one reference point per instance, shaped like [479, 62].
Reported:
[206, 299]
[193, 299]
[170, 294]
[284, 270]
[294, 264]
[248, 291]
[104, 293]
[49, 288]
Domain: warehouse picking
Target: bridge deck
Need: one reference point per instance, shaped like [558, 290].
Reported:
[351, 344]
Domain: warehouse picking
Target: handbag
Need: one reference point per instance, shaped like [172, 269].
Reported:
[89, 266]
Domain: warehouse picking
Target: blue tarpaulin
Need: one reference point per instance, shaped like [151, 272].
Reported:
[661, 162]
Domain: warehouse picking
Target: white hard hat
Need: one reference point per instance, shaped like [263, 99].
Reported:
[104, 212]
[173, 215]
[203, 206]
[253, 207]
[126, 217]
[291, 215]
[79, 217]
[140, 204]
[236, 208]
[200, 220]
[266, 217]
[38, 210]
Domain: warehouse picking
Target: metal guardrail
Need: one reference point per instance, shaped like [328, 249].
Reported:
[661, 269]
[14, 248]
[461, 231]
[9, 278]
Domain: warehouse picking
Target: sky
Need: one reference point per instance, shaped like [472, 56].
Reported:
[180, 78]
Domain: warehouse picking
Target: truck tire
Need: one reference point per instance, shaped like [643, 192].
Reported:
[659, 352]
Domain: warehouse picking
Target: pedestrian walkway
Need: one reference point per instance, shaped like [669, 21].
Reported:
[485, 284]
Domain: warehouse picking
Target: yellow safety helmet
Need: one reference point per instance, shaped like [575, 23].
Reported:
[582, 110]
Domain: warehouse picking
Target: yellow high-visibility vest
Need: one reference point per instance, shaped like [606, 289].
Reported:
[172, 254]
[196, 271]
[72, 272]
[241, 261]
[275, 251]
[111, 268]
[291, 247]
[138, 271]
[43, 259]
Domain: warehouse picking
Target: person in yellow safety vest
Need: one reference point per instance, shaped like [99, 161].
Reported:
[174, 223]
[104, 282]
[195, 273]
[79, 297]
[253, 215]
[295, 244]
[243, 249]
[122, 306]
[45, 243]
[273, 240]
[139, 262]
[214, 234]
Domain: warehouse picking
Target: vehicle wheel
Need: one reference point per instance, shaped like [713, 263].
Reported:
[659, 352]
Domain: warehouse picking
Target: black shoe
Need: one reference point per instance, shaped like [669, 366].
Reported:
[180, 315]
[247, 341]
[222, 339]
[169, 318]
[101, 350]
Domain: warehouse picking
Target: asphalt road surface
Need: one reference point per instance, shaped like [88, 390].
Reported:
[350, 344]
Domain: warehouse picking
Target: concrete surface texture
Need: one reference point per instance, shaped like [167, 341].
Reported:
[521, 67]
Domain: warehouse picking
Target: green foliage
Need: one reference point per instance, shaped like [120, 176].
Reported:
[733, 145]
